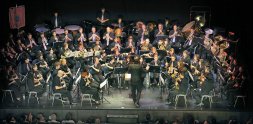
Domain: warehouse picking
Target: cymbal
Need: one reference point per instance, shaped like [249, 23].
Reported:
[188, 26]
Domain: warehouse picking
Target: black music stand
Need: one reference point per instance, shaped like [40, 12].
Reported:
[144, 52]
[119, 71]
[125, 50]
[148, 60]
[168, 58]
[101, 86]
[162, 52]
[154, 69]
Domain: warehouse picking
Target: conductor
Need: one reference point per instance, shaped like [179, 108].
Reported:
[136, 70]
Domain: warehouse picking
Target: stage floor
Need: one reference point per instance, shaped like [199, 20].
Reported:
[151, 98]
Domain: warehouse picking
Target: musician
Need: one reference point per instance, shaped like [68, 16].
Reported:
[167, 25]
[163, 44]
[89, 86]
[13, 82]
[67, 74]
[81, 36]
[136, 70]
[232, 89]
[155, 76]
[120, 24]
[190, 42]
[60, 86]
[93, 35]
[130, 42]
[67, 37]
[25, 66]
[56, 21]
[173, 35]
[30, 42]
[186, 58]
[159, 32]
[43, 66]
[115, 45]
[54, 38]
[143, 33]
[56, 67]
[108, 37]
[81, 47]
[20, 46]
[97, 75]
[171, 52]
[145, 45]
[51, 57]
[103, 16]
[43, 42]
[37, 82]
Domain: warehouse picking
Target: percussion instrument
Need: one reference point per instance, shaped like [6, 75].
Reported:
[72, 27]
[59, 31]
[41, 29]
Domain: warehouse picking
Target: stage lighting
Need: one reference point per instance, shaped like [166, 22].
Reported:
[197, 18]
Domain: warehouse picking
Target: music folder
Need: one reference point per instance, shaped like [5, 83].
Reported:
[155, 69]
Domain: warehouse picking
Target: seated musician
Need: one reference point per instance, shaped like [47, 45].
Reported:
[152, 53]
[130, 42]
[81, 47]
[81, 36]
[20, 46]
[171, 52]
[13, 82]
[143, 33]
[54, 38]
[190, 42]
[67, 37]
[97, 46]
[173, 36]
[89, 86]
[43, 42]
[120, 23]
[186, 58]
[145, 45]
[43, 66]
[204, 87]
[163, 44]
[51, 57]
[93, 35]
[115, 45]
[171, 67]
[195, 61]
[25, 66]
[68, 78]
[159, 32]
[60, 86]
[30, 42]
[37, 82]
[97, 72]
[179, 81]
[108, 37]
[155, 76]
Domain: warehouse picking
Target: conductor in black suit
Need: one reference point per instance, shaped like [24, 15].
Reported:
[136, 70]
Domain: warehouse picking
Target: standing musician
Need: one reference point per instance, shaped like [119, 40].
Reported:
[173, 35]
[159, 32]
[89, 86]
[136, 70]
[97, 71]
[108, 37]
[60, 85]
[37, 82]
[67, 37]
[93, 35]
[81, 36]
[56, 21]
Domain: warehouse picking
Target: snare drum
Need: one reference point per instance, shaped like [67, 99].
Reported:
[127, 77]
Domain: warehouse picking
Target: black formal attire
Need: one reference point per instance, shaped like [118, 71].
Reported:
[56, 21]
[136, 71]
[63, 91]
[89, 89]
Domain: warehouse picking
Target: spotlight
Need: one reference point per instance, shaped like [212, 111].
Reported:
[197, 18]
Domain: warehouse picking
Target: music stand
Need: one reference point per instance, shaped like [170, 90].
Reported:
[125, 50]
[154, 69]
[160, 37]
[144, 52]
[168, 58]
[148, 60]
[119, 71]
[101, 86]
[162, 52]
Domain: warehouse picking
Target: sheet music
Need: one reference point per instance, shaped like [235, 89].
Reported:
[103, 83]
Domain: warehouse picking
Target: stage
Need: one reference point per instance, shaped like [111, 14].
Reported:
[119, 106]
